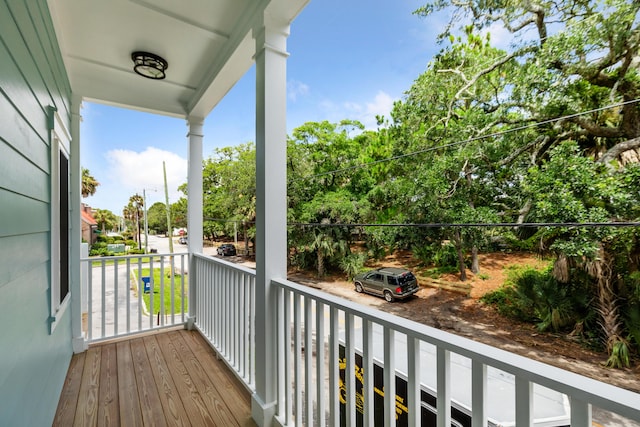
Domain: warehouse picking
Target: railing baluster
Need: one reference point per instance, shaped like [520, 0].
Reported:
[524, 402]
[161, 311]
[90, 301]
[116, 287]
[367, 366]
[308, 361]
[140, 292]
[334, 369]
[287, 357]
[252, 296]
[350, 369]
[443, 393]
[152, 288]
[183, 294]
[320, 365]
[389, 377]
[236, 321]
[413, 385]
[297, 377]
[580, 413]
[172, 288]
[280, 354]
[103, 298]
[479, 394]
[128, 281]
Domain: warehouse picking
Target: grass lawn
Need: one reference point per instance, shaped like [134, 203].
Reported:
[177, 292]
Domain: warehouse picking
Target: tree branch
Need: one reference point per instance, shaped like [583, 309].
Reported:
[613, 152]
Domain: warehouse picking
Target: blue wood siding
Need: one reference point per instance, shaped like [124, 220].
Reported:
[33, 362]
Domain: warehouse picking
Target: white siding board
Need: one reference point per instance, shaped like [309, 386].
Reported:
[21, 176]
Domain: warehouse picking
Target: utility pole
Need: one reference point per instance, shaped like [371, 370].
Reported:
[166, 197]
[146, 223]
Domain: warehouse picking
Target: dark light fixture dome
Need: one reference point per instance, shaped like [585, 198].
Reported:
[149, 65]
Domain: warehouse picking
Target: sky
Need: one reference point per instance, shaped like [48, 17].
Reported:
[349, 59]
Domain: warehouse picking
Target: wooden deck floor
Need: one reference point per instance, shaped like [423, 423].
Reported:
[170, 378]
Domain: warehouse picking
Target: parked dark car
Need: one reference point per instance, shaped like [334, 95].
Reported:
[226, 249]
[183, 240]
[388, 282]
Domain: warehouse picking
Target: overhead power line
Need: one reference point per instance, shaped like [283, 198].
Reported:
[476, 224]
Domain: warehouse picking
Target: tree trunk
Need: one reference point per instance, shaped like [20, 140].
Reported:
[458, 244]
[601, 269]
[320, 263]
[475, 263]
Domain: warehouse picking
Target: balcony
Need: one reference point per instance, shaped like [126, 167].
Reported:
[403, 370]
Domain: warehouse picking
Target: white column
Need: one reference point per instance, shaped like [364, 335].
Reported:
[271, 205]
[75, 223]
[194, 204]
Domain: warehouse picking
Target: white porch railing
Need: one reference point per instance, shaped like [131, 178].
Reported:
[484, 381]
[319, 335]
[113, 301]
[225, 312]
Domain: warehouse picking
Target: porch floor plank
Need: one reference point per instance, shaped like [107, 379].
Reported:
[71, 390]
[169, 395]
[169, 378]
[87, 408]
[108, 411]
[223, 379]
[210, 395]
[130, 413]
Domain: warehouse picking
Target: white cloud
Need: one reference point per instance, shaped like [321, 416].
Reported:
[365, 112]
[135, 171]
[295, 89]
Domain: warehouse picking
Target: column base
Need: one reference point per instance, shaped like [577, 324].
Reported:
[79, 345]
[190, 325]
[262, 413]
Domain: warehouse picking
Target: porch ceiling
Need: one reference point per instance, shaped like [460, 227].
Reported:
[208, 45]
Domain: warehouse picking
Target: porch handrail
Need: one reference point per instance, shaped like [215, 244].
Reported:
[581, 391]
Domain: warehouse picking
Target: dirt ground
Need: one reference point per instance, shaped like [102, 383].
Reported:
[466, 316]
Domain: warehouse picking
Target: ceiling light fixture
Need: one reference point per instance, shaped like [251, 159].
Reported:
[149, 65]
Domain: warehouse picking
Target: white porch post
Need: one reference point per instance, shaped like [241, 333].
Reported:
[271, 205]
[194, 205]
[75, 186]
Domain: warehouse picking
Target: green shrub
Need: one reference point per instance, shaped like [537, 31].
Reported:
[445, 256]
[353, 263]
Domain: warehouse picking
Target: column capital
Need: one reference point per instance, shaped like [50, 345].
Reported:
[271, 34]
[196, 125]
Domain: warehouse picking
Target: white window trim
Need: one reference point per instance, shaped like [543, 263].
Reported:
[60, 138]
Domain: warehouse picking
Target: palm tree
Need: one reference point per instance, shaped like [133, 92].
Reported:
[89, 183]
[324, 246]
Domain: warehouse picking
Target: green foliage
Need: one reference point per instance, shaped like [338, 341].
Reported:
[535, 296]
[157, 218]
[353, 264]
[619, 357]
[445, 256]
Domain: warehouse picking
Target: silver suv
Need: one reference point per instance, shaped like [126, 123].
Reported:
[388, 282]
